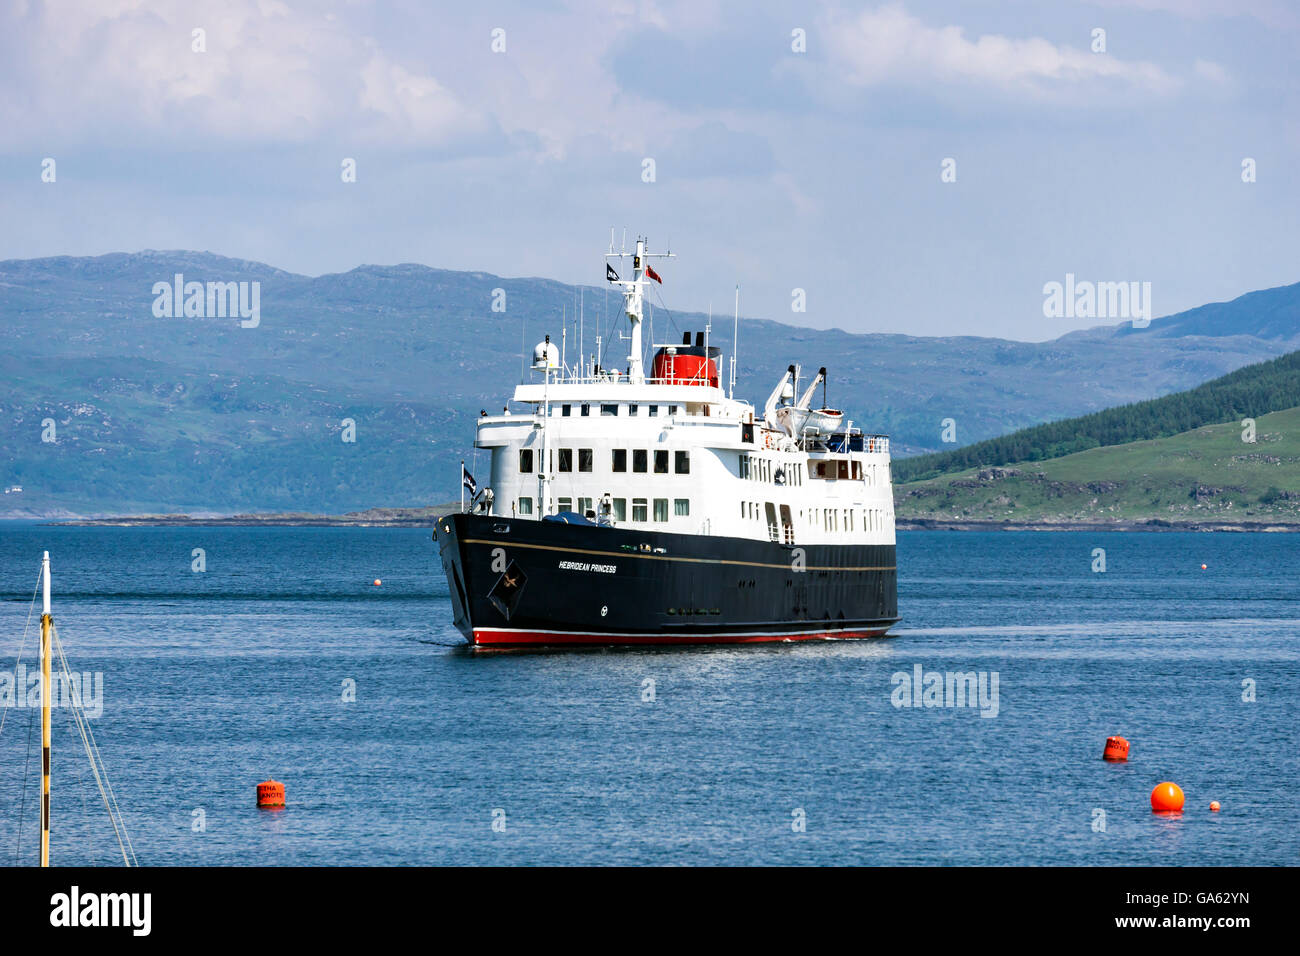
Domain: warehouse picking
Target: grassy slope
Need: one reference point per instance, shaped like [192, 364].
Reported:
[1207, 474]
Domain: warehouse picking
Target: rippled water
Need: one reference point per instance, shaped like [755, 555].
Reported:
[216, 680]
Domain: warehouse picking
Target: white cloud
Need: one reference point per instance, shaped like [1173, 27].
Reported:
[1211, 71]
[88, 69]
[889, 45]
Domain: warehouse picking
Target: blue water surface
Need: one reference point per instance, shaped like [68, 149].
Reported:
[215, 680]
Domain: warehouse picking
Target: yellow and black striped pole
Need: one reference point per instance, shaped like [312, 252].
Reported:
[47, 623]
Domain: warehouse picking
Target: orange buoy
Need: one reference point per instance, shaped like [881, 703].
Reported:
[1202, 567]
[378, 582]
[1214, 806]
[1116, 749]
[1167, 798]
[270, 793]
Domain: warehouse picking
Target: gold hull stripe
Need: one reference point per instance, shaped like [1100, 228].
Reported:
[664, 557]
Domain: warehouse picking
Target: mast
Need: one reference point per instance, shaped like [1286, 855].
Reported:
[632, 303]
[47, 622]
[633, 290]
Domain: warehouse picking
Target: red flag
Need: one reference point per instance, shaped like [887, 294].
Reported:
[652, 274]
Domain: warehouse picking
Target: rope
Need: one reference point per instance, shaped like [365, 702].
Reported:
[81, 790]
[22, 808]
[96, 761]
[21, 647]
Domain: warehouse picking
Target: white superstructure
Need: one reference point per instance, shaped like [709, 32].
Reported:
[672, 451]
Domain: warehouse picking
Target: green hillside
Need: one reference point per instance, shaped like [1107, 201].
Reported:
[1247, 392]
[1205, 475]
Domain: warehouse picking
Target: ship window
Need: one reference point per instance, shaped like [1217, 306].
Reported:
[843, 469]
[584, 507]
[661, 509]
[681, 507]
[525, 461]
[821, 469]
[620, 509]
[769, 510]
[638, 509]
[744, 466]
[586, 409]
[620, 459]
[672, 409]
[857, 471]
[609, 409]
[566, 410]
[565, 504]
[631, 409]
[584, 459]
[653, 410]
[525, 506]
[566, 459]
[682, 463]
[638, 459]
[747, 432]
[661, 461]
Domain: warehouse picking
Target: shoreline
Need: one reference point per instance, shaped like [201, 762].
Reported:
[370, 518]
[1144, 524]
[425, 517]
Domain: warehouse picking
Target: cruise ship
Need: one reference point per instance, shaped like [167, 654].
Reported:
[621, 507]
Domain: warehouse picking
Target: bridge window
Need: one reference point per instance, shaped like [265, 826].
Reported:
[584, 459]
[653, 410]
[661, 461]
[566, 459]
[609, 409]
[682, 463]
[631, 409]
[639, 458]
[566, 410]
[620, 459]
[639, 509]
[586, 409]
[525, 461]
[661, 509]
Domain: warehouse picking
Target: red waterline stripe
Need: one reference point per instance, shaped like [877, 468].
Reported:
[495, 636]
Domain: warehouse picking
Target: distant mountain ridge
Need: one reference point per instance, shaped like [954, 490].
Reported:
[199, 414]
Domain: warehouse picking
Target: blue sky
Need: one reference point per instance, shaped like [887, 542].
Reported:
[817, 170]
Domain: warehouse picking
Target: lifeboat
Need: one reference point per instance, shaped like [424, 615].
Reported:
[820, 421]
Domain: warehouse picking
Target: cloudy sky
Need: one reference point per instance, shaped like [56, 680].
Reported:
[509, 137]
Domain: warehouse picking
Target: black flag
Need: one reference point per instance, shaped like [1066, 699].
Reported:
[610, 274]
[468, 481]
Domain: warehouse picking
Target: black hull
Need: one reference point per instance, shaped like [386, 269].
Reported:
[526, 582]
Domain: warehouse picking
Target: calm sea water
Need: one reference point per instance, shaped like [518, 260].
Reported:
[214, 681]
